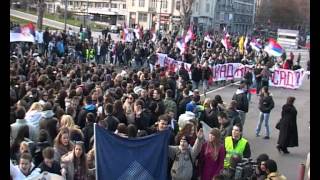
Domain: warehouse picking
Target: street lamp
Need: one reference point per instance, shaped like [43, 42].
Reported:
[65, 15]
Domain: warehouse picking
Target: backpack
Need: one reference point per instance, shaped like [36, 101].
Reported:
[178, 171]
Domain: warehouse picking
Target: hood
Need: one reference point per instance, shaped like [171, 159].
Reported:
[90, 107]
[239, 91]
[47, 114]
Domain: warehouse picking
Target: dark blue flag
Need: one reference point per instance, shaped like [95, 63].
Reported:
[119, 158]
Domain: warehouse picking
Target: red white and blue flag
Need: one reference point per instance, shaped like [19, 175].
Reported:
[273, 48]
[190, 35]
[25, 33]
[226, 41]
[181, 44]
[255, 44]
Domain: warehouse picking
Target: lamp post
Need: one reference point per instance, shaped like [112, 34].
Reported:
[65, 15]
[87, 9]
[160, 15]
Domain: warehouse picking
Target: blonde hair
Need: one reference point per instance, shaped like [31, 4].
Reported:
[67, 121]
[24, 144]
[35, 106]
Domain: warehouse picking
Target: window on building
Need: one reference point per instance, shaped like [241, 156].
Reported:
[226, 17]
[106, 5]
[143, 17]
[124, 6]
[113, 5]
[178, 4]
[153, 4]
[141, 3]
[207, 7]
[164, 4]
[221, 16]
[132, 3]
[197, 7]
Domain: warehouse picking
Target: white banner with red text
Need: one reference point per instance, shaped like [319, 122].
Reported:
[229, 71]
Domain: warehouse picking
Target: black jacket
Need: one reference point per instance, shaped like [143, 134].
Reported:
[184, 74]
[144, 121]
[56, 168]
[211, 117]
[206, 73]
[288, 136]
[242, 101]
[266, 104]
[87, 133]
[196, 74]
[182, 105]
[233, 116]
[112, 122]
[153, 107]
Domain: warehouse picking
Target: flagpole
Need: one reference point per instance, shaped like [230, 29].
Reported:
[95, 149]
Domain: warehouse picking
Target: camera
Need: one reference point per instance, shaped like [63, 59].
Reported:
[245, 169]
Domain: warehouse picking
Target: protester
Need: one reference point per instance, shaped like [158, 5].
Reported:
[25, 169]
[236, 145]
[211, 156]
[62, 144]
[242, 101]
[272, 170]
[288, 135]
[49, 164]
[184, 157]
[266, 104]
[74, 163]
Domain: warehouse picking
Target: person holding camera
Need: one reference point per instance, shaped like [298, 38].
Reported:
[272, 171]
[260, 171]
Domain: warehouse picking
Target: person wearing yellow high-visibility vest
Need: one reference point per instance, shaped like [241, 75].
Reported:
[236, 145]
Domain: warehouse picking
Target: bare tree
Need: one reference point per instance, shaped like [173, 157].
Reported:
[185, 13]
[40, 13]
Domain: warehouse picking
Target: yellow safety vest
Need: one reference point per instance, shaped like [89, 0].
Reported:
[238, 150]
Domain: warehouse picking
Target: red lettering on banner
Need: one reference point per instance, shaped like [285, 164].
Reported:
[223, 70]
[289, 79]
[216, 71]
[274, 75]
[282, 77]
[239, 70]
[298, 75]
[166, 61]
[230, 71]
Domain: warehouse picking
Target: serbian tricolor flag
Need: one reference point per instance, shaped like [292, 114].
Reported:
[226, 42]
[208, 38]
[255, 45]
[138, 32]
[190, 35]
[25, 33]
[181, 45]
[273, 48]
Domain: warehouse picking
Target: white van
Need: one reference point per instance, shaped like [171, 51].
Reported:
[288, 39]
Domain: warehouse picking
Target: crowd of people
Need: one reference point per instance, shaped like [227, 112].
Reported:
[65, 82]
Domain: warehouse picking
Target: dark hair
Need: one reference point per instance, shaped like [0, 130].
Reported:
[222, 114]
[213, 103]
[83, 158]
[262, 157]
[139, 102]
[43, 135]
[186, 91]
[239, 126]
[117, 107]
[90, 117]
[169, 93]
[218, 99]
[48, 153]
[122, 128]
[20, 112]
[132, 130]
[271, 165]
[109, 108]
[290, 100]
[164, 117]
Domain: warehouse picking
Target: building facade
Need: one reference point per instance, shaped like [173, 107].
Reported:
[109, 12]
[204, 14]
[153, 14]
